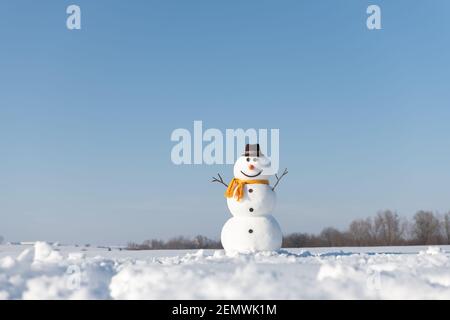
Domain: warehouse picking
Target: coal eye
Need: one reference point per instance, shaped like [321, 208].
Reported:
[248, 159]
[255, 159]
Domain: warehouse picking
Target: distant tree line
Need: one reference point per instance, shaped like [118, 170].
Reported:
[198, 242]
[386, 228]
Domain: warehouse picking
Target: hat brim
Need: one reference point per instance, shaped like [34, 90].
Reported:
[252, 154]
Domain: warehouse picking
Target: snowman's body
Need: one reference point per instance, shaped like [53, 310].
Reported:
[258, 200]
[252, 227]
[249, 234]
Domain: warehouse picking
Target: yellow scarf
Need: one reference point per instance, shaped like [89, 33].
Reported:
[236, 187]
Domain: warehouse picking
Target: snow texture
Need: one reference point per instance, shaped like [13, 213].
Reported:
[46, 272]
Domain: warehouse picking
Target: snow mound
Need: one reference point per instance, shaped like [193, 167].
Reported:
[43, 252]
[42, 272]
[432, 251]
[49, 272]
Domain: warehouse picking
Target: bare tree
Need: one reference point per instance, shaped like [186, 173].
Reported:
[302, 240]
[388, 228]
[447, 227]
[333, 237]
[361, 232]
[427, 228]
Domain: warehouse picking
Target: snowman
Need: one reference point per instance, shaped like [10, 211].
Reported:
[251, 201]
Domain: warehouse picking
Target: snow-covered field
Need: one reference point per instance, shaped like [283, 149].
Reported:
[45, 272]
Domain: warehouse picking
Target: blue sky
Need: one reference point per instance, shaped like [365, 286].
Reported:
[86, 116]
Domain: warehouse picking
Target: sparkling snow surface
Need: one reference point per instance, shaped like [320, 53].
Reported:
[45, 272]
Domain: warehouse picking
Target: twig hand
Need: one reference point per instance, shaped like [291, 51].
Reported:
[285, 172]
[220, 180]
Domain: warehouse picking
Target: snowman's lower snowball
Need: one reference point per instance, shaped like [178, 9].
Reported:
[250, 234]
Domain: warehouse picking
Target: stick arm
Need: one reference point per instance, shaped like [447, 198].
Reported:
[220, 180]
[285, 172]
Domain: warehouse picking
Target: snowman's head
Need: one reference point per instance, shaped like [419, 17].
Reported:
[252, 164]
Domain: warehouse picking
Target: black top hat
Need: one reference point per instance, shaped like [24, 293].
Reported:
[252, 150]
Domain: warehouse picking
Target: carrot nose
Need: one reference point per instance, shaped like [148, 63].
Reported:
[251, 167]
